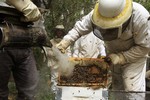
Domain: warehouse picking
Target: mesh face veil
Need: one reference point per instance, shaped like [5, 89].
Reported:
[109, 34]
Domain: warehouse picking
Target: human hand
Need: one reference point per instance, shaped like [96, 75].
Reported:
[115, 59]
[62, 45]
[148, 75]
[28, 8]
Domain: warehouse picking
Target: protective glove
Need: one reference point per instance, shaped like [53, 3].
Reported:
[62, 45]
[115, 59]
[28, 8]
[148, 75]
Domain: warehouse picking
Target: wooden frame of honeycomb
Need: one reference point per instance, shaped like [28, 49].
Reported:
[86, 76]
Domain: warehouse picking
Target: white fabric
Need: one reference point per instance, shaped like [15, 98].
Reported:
[87, 46]
[134, 44]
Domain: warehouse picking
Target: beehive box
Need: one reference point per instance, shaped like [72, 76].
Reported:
[86, 76]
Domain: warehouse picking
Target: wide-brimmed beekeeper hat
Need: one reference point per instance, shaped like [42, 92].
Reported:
[111, 13]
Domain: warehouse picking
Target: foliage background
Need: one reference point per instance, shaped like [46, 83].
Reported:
[67, 12]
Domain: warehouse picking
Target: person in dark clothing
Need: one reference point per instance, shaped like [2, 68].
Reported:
[20, 60]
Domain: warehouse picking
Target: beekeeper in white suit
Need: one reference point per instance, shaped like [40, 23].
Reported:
[123, 25]
[59, 32]
[82, 47]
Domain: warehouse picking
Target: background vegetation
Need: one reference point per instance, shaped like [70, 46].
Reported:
[67, 12]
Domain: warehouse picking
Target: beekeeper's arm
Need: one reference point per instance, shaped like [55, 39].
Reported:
[27, 7]
[142, 40]
[83, 26]
[102, 50]
[141, 33]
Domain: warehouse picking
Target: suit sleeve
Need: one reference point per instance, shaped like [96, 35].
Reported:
[81, 27]
[141, 34]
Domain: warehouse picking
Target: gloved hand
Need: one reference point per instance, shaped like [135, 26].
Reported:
[148, 75]
[115, 59]
[28, 8]
[62, 45]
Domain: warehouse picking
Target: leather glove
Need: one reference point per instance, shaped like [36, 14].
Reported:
[28, 8]
[115, 59]
[148, 75]
[62, 45]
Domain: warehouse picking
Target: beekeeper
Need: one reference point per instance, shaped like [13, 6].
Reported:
[82, 47]
[19, 60]
[123, 25]
[59, 32]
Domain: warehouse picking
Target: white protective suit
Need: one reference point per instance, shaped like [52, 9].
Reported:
[52, 63]
[82, 47]
[134, 44]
